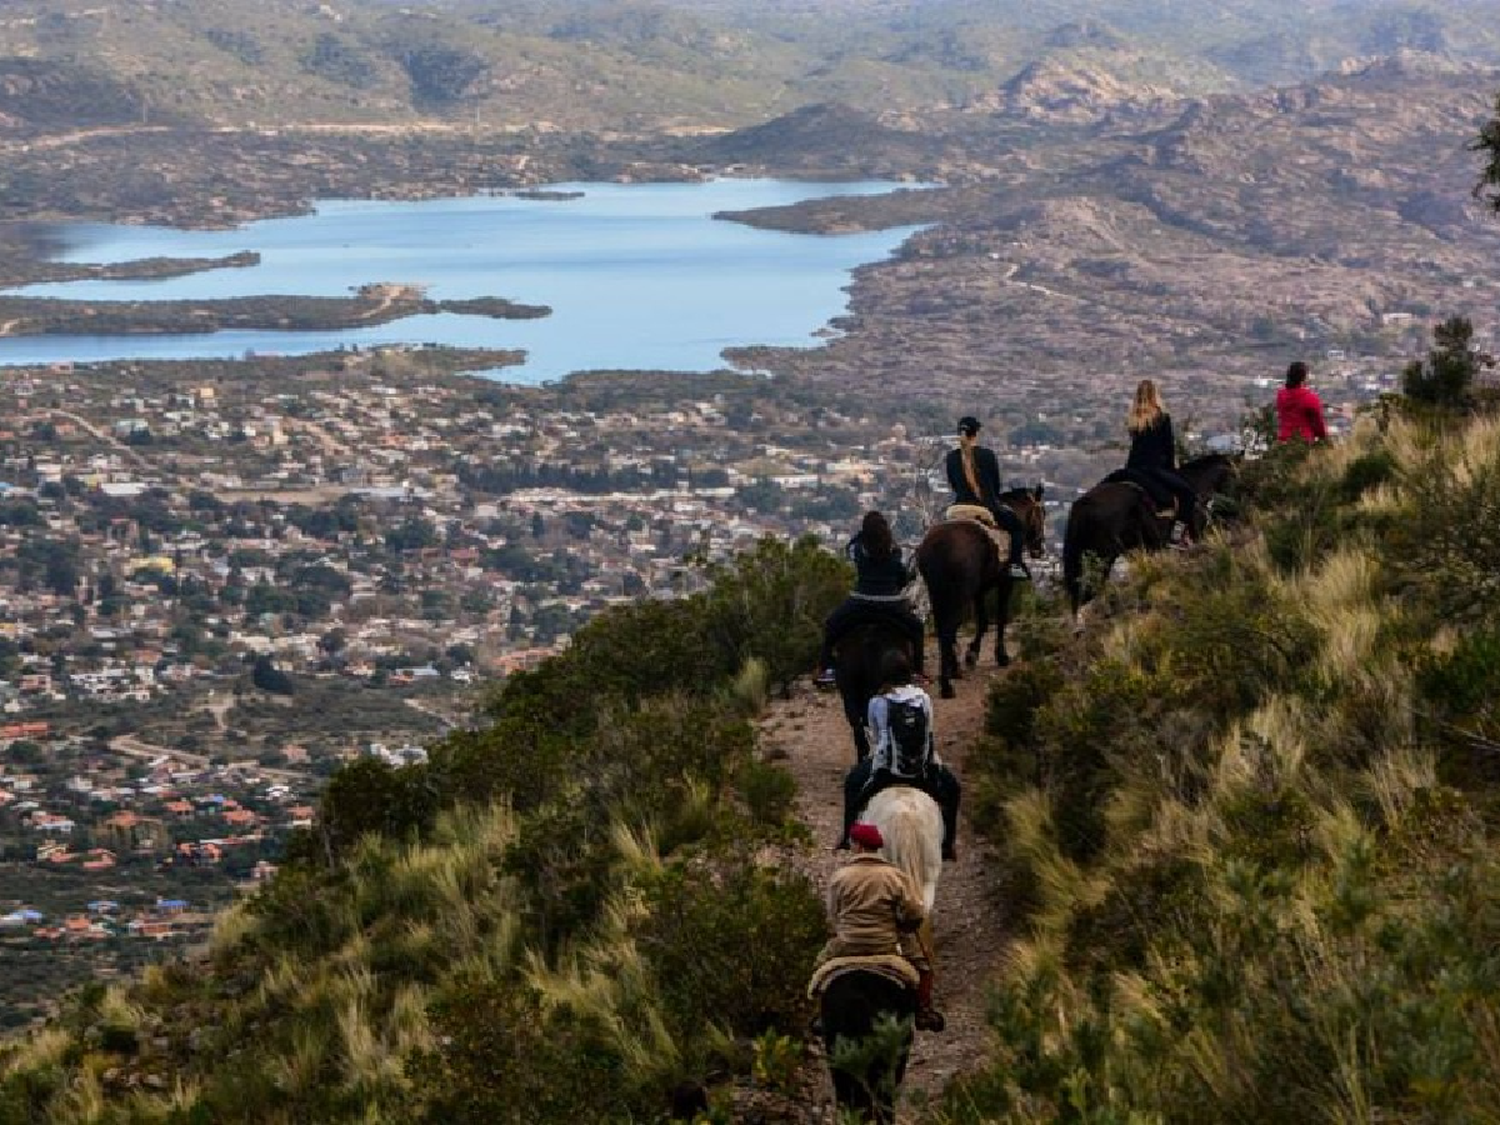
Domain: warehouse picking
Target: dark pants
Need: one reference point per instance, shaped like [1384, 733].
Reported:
[1163, 486]
[851, 1005]
[941, 784]
[1182, 492]
[1010, 522]
[855, 611]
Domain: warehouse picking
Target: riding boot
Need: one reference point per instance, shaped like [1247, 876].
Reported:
[928, 1017]
[856, 782]
[943, 787]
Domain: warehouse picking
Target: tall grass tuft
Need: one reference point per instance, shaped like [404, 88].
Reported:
[749, 692]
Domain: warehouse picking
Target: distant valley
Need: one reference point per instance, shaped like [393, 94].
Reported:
[1124, 195]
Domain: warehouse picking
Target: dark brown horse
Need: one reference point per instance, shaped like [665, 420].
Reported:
[1115, 517]
[858, 658]
[867, 1035]
[960, 564]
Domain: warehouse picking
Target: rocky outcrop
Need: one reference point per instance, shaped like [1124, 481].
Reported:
[1069, 92]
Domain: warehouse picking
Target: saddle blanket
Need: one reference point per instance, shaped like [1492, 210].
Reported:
[894, 966]
[986, 519]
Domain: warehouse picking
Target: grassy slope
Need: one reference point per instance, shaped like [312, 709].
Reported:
[1258, 866]
[581, 888]
[1248, 816]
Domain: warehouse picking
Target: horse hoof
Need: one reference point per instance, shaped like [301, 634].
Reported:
[1002, 661]
[947, 691]
[971, 659]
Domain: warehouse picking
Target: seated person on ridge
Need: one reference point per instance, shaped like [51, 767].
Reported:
[881, 576]
[903, 752]
[1299, 411]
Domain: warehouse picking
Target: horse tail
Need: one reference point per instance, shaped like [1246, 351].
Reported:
[912, 825]
[948, 583]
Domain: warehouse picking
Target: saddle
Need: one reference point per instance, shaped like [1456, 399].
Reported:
[978, 513]
[1162, 500]
[891, 965]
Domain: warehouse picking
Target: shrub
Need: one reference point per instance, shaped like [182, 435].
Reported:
[731, 947]
[1449, 547]
[1365, 472]
[1447, 376]
[510, 1061]
[771, 602]
[371, 796]
[769, 792]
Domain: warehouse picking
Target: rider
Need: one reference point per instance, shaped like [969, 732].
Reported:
[974, 475]
[886, 765]
[881, 576]
[876, 912]
[1153, 452]
[1299, 411]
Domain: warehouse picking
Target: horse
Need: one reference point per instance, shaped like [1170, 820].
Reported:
[868, 1028]
[1115, 517]
[960, 565]
[867, 1073]
[859, 657]
[911, 824]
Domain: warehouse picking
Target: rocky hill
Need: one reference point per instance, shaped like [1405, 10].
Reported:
[585, 64]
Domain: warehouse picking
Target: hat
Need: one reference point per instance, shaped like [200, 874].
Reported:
[866, 835]
[968, 424]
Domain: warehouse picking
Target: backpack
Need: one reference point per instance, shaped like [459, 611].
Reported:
[907, 721]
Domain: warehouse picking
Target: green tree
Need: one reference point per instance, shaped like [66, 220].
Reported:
[267, 677]
[1488, 142]
[1447, 376]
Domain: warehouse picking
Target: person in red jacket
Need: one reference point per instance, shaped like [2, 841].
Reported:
[1299, 412]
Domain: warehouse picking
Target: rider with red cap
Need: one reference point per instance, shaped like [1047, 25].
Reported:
[875, 912]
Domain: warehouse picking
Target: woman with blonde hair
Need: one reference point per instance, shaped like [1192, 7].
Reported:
[1153, 452]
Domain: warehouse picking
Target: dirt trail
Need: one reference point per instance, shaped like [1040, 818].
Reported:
[811, 731]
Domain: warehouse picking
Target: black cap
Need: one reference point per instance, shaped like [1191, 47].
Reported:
[968, 424]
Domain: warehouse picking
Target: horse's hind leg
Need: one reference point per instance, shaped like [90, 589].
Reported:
[981, 626]
[1002, 619]
[948, 669]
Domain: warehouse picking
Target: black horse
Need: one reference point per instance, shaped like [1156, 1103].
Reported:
[867, 1066]
[961, 564]
[1114, 517]
[859, 657]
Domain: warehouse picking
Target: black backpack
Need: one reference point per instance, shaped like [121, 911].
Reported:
[907, 722]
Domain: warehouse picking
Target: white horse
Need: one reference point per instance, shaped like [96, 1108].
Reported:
[911, 824]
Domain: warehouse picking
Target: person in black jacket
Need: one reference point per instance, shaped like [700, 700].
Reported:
[974, 475]
[881, 578]
[1153, 451]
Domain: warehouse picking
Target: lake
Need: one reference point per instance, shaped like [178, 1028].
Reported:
[638, 276]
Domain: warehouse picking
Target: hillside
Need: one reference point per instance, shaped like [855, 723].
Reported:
[1242, 867]
[643, 66]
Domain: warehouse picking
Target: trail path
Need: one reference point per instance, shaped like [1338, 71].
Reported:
[811, 731]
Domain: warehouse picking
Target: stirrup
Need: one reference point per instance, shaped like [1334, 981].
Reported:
[930, 1019]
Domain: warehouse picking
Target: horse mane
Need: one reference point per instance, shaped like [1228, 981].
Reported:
[912, 825]
[1210, 471]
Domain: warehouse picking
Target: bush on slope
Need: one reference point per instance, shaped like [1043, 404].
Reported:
[1251, 817]
[574, 892]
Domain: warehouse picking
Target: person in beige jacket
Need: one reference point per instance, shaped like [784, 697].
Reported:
[871, 903]
[875, 912]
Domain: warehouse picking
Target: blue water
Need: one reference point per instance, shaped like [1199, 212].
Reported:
[638, 276]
